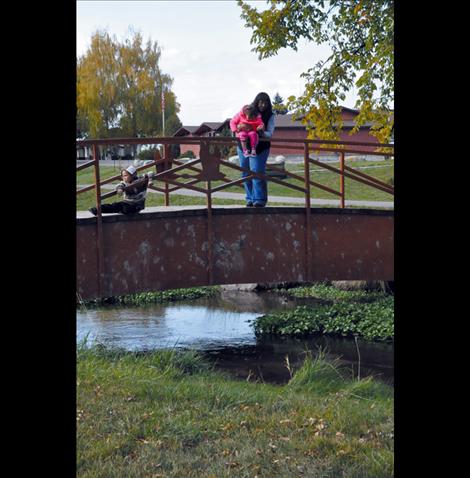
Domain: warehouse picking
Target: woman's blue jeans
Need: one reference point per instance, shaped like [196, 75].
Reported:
[256, 189]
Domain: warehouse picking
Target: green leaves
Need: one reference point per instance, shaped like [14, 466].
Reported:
[373, 321]
[360, 35]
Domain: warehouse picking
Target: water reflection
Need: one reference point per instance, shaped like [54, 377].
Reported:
[201, 323]
[220, 328]
[151, 327]
[266, 359]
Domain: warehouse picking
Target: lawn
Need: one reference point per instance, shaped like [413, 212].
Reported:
[167, 414]
[382, 170]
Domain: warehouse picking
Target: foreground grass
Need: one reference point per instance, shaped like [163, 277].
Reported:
[166, 414]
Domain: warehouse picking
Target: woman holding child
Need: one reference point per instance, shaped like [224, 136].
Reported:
[253, 121]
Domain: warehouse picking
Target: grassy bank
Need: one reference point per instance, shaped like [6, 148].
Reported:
[143, 298]
[365, 314]
[166, 414]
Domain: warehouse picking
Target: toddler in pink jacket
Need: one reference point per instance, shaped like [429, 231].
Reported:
[246, 124]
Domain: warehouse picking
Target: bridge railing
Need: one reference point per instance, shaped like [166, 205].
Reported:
[169, 170]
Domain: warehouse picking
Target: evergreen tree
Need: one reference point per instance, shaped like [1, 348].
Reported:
[278, 105]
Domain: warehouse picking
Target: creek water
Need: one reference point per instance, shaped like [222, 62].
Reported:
[220, 328]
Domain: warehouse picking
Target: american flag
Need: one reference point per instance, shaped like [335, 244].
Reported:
[163, 100]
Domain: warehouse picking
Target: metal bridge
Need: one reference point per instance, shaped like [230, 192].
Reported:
[175, 246]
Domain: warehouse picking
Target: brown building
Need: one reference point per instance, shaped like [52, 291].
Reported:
[286, 128]
[206, 129]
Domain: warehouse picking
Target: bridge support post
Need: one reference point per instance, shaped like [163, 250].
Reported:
[210, 259]
[167, 165]
[308, 218]
[99, 222]
[341, 179]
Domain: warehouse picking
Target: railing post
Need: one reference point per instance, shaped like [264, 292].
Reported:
[308, 219]
[210, 261]
[99, 223]
[341, 180]
[157, 157]
[166, 152]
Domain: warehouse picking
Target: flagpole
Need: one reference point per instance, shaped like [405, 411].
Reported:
[163, 110]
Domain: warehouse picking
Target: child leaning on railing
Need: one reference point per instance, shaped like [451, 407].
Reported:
[133, 189]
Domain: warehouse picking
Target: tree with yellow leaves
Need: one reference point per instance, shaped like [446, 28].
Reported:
[119, 88]
[360, 34]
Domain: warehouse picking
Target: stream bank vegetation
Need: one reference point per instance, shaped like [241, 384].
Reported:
[153, 297]
[355, 313]
[168, 413]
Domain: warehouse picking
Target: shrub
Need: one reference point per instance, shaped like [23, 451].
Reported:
[188, 154]
[147, 154]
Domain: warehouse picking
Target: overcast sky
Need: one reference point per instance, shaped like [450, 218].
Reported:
[206, 50]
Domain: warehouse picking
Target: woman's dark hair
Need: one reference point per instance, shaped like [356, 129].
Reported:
[266, 114]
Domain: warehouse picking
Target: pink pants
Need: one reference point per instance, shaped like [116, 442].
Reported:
[253, 135]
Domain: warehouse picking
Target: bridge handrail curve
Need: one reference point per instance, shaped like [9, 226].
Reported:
[180, 139]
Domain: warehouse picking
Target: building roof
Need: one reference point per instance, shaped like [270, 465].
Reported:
[287, 121]
[210, 126]
[350, 109]
[224, 123]
[184, 130]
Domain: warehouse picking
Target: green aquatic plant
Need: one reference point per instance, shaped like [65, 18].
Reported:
[143, 298]
[321, 290]
[373, 321]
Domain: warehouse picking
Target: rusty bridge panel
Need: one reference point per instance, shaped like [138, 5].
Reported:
[254, 247]
[87, 260]
[352, 246]
[169, 249]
